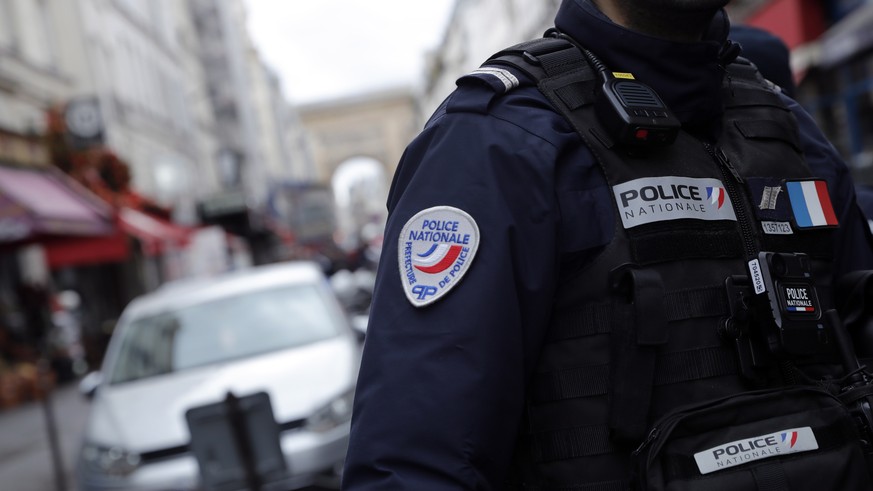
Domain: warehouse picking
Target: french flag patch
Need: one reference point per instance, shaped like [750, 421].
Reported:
[800, 309]
[811, 204]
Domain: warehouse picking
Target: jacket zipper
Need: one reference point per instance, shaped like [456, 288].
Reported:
[732, 180]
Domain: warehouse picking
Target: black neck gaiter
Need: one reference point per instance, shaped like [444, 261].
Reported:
[687, 76]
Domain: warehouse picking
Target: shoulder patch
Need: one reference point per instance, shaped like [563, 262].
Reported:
[435, 250]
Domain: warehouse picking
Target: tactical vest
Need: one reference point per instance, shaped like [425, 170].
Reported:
[660, 317]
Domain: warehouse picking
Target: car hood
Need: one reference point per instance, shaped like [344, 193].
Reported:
[149, 414]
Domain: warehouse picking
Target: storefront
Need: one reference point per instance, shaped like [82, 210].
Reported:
[38, 205]
[41, 203]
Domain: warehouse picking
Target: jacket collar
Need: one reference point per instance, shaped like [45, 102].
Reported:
[687, 76]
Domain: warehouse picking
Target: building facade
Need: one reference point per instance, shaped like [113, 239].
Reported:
[141, 86]
[141, 63]
[476, 30]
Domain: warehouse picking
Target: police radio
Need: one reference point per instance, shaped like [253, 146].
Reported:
[634, 114]
[631, 111]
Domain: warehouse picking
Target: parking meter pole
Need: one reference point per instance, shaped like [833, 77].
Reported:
[242, 442]
[50, 424]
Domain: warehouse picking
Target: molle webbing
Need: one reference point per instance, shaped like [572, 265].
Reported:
[583, 441]
[599, 318]
[670, 368]
[688, 241]
[634, 350]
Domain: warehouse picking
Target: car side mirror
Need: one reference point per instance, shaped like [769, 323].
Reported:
[90, 383]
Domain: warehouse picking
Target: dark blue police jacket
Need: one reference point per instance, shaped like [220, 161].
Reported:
[441, 386]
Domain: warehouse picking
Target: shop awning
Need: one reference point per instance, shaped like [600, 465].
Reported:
[81, 251]
[154, 235]
[37, 203]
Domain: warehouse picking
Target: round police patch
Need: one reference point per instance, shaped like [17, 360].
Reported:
[436, 249]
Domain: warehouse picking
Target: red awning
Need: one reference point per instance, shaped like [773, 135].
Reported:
[154, 234]
[87, 250]
[43, 202]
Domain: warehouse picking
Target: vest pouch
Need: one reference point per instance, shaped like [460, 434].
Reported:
[791, 439]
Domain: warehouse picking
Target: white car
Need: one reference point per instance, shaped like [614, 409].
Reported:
[277, 329]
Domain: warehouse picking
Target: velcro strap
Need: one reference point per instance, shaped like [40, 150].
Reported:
[551, 55]
[577, 94]
[769, 129]
[561, 61]
[814, 243]
[743, 97]
[543, 46]
[670, 242]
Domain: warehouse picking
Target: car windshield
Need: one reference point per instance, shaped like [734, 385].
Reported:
[226, 329]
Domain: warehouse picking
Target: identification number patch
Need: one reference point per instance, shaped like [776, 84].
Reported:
[777, 228]
[435, 250]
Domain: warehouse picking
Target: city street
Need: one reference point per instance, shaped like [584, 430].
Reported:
[25, 456]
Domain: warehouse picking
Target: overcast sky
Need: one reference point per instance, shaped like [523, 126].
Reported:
[322, 49]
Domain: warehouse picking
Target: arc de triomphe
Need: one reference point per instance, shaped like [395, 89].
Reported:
[377, 126]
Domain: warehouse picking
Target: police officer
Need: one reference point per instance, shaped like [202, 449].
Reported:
[520, 253]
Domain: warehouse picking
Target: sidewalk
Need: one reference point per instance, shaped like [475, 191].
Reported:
[25, 457]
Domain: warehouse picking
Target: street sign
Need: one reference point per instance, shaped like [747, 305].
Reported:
[236, 443]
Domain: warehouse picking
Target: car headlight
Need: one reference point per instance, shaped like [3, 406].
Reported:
[113, 461]
[336, 412]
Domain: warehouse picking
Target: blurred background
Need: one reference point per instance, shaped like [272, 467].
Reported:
[149, 141]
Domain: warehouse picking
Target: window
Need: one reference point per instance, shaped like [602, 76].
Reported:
[8, 26]
[37, 41]
[240, 326]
